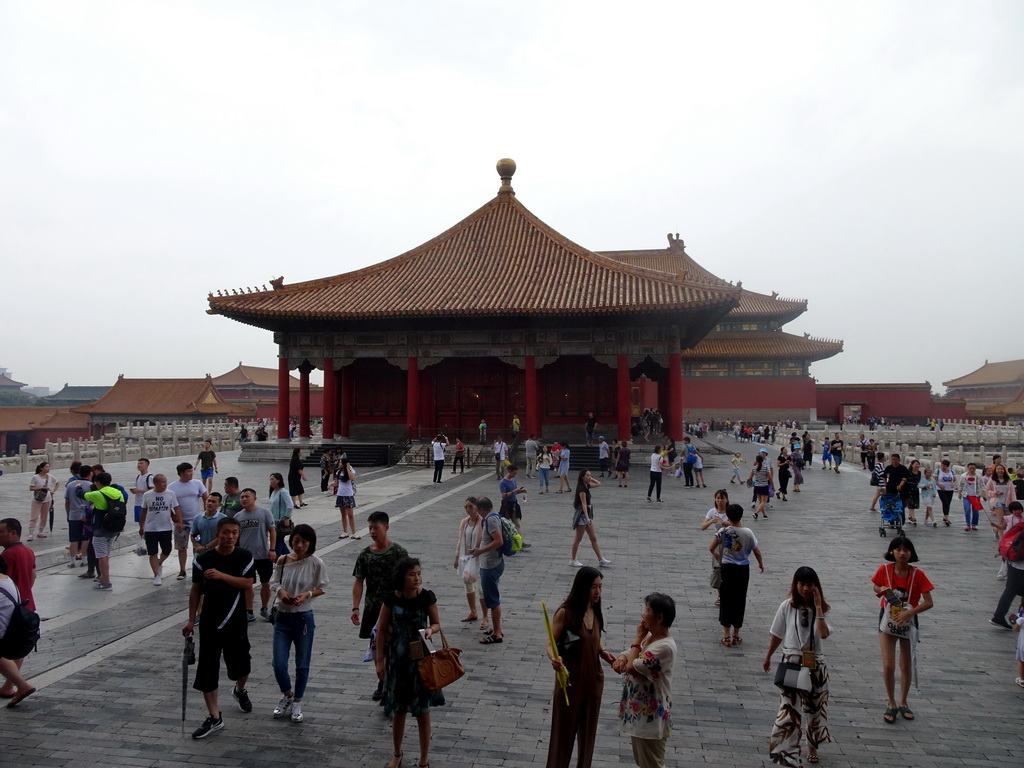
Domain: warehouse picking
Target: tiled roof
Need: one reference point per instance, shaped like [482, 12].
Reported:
[675, 260]
[27, 418]
[1008, 372]
[499, 261]
[79, 394]
[254, 376]
[162, 397]
[762, 344]
[6, 382]
[900, 387]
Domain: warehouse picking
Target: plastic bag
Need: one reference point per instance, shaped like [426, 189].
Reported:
[140, 549]
[470, 569]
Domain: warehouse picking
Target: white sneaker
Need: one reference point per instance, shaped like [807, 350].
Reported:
[575, 563]
[157, 581]
[283, 706]
[604, 561]
[296, 711]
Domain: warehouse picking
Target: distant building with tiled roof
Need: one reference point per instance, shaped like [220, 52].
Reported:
[747, 367]
[161, 400]
[991, 385]
[34, 425]
[7, 384]
[76, 395]
[252, 385]
[501, 315]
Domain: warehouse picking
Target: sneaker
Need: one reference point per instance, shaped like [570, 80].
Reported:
[264, 614]
[1000, 623]
[249, 617]
[283, 707]
[210, 724]
[379, 693]
[101, 585]
[81, 562]
[604, 561]
[242, 697]
[157, 580]
[297, 712]
[71, 563]
[575, 563]
[181, 575]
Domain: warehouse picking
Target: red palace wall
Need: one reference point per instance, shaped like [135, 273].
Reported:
[749, 398]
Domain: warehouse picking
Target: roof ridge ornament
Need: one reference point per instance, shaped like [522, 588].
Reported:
[506, 168]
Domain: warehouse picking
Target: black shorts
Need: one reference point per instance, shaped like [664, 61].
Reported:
[233, 643]
[161, 539]
[262, 569]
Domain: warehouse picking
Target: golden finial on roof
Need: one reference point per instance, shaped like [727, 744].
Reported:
[506, 170]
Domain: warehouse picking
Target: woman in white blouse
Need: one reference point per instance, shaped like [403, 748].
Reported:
[298, 578]
[800, 625]
[42, 487]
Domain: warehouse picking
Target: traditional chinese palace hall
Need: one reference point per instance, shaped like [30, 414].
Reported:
[500, 315]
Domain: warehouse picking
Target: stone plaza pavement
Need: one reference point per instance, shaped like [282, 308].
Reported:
[109, 664]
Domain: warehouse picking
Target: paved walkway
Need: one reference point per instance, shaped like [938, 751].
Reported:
[109, 670]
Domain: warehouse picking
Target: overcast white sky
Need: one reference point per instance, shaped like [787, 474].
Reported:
[865, 156]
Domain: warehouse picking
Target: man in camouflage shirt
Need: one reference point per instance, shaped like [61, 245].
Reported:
[374, 570]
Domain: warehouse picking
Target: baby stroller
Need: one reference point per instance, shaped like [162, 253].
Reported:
[891, 509]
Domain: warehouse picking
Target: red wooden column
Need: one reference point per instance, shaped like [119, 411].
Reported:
[412, 398]
[283, 396]
[674, 423]
[532, 409]
[330, 398]
[622, 399]
[347, 399]
[304, 369]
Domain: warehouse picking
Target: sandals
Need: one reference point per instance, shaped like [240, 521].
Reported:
[471, 617]
[905, 712]
[398, 764]
[483, 625]
[890, 715]
[737, 640]
[19, 697]
[726, 641]
[812, 759]
[491, 640]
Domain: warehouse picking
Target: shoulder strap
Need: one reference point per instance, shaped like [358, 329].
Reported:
[9, 596]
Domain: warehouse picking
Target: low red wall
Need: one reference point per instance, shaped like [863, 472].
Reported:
[911, 404]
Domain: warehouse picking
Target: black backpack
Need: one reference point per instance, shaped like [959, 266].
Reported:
[22, 631]
[115, 516]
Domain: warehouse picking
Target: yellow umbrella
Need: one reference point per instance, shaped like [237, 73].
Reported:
[562, 675]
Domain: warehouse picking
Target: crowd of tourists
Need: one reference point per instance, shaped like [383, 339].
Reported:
[236, 543]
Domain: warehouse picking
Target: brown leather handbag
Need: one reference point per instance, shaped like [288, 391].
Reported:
[440, 668]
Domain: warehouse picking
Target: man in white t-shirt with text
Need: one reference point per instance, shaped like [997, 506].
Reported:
[160, 515]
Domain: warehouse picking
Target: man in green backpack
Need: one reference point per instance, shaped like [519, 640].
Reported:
[108, 501]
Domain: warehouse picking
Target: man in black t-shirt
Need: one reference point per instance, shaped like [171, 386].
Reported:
[895, 476]
[836, 450]
[221, 577]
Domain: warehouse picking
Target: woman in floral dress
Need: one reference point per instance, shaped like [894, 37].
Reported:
[405, 612]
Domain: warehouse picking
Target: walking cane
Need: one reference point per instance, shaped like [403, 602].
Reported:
[188, 657]
[51, 515]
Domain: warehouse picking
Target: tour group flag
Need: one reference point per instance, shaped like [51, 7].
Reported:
[562, 675]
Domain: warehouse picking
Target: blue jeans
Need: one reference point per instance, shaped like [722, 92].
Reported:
[297, 628]
[970, 513]
[544, 476]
